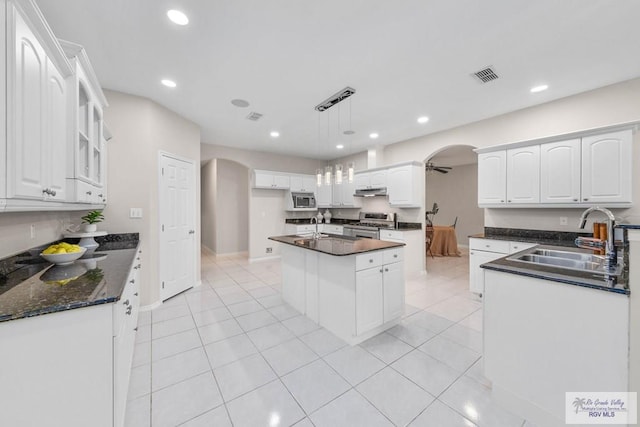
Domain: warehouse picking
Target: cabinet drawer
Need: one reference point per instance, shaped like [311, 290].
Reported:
[391, 235]
[392, 255]
[519, 246]
[500, 246]
[332, 229]
[368, 260]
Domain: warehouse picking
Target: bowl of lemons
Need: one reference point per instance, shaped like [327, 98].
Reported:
[63, 253]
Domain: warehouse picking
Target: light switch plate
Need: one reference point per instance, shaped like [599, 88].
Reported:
[135, 213]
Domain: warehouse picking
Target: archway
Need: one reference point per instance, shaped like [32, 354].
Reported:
[451, 182]
[225, 206]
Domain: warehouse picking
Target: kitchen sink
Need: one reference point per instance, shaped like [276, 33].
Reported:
[569, 260]
[560, 262]
[569, 255]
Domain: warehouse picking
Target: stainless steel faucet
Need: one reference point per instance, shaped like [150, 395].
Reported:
[314, 219]
[610, 251]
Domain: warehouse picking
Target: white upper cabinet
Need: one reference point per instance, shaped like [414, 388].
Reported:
[371, 179]
[303, 183]
[575, 171]
[86, 179]
[36, 115]
[405, 185]
[342, 194]
[560, 171]
[271, 180]
[324, 195]
[523, 175]
[492, 177]
[606, 167]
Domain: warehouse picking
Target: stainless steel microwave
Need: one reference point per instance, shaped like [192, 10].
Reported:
[299, 201]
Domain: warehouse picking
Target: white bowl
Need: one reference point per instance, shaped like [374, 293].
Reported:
[63, 259]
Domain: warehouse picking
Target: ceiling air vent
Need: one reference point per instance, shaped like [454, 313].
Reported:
[253, 116]
[486, 75]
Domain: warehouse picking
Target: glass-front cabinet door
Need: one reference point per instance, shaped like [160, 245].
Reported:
[84, 143]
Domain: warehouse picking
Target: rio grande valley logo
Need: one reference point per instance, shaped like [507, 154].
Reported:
[601, 408]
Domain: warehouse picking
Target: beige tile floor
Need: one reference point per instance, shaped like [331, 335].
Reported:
[232, 353]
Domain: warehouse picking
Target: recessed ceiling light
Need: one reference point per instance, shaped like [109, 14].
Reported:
[168, 83]
[177, 17]
[423, 119]
[373, 135]
[240, 103]
[540, 88]
[339, 146]
[274, 134]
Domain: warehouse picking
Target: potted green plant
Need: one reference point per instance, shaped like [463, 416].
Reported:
[90, 220]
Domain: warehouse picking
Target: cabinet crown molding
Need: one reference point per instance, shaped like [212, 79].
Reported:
[553, 138]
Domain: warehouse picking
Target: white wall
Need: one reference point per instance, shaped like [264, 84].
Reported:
[456, 193]
[15, 229]
[232, 207]
[208, 195]
[614, 104]
[141, 129]
[266, 214]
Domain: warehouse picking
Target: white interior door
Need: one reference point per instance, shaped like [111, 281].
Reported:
[177, 226]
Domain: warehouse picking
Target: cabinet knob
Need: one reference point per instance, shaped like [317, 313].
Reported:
[371, 260]
[126, 302]
[132, 281]
[471, 253]
[501, 201]
[395, 255]
[575, 200]
[135, 329]
[585, 199]
[487, 246]
[100, 195]
[129, 310]
[135, 295]
[52, 192]
[89, 193]
[508, 201]
[192, 231]
[386, 269]
[380, 270]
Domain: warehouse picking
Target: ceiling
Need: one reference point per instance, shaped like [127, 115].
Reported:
[456, 155]
[405, 58]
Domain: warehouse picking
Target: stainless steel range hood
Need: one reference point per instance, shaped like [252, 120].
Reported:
[371, 192]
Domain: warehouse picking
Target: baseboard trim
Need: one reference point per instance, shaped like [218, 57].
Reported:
[265, 258]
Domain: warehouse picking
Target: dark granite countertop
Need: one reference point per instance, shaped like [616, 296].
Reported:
[561, 275]
[31, 286]
[337, 245]
[400, 226]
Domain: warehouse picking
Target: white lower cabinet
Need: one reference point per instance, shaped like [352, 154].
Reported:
[355, 296]
[486, 250]
[74, 364]
[369, 299]
[414, 254]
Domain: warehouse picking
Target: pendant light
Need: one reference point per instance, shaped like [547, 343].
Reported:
[328, 171]
[338, 173]
[350, 171]
[319, 177]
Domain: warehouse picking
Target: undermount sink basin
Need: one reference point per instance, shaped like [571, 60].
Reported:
[578, 261]
[560, 262]
[569, 255]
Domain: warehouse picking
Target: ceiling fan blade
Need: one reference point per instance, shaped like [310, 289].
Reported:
[443, 167]
[438, 169]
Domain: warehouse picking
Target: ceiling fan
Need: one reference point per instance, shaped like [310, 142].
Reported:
[431, 167]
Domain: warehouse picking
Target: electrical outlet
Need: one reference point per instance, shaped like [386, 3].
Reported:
[564, 220]
[135, 213]
[32, 231]
[269, 250]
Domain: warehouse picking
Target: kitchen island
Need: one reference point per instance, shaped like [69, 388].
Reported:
[351, 286]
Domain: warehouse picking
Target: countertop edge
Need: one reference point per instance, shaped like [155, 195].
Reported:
[386, 245]
[553, 277]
